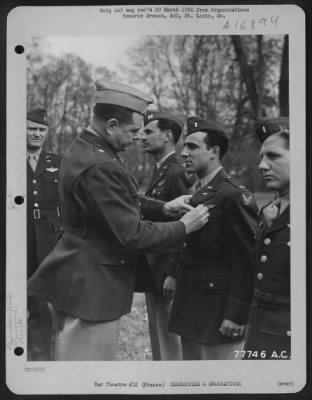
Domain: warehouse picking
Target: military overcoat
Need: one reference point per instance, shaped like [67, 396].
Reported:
[90, 273]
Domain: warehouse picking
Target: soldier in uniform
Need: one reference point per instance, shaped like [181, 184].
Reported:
[161, 132]
[43, 225]
[215, 281]
[269, 332]
[89, 276]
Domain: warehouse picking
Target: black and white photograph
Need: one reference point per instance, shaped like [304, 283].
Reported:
[156, 198]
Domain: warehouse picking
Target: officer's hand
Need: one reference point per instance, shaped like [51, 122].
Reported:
[195, 219]
[231, 329]
[177, 207]
[169, 286]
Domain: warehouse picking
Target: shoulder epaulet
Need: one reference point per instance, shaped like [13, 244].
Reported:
[228, 179]
[102, 155]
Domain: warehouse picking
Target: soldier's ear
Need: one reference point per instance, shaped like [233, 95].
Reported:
[111, 125]
[169, 135]
[215, 151]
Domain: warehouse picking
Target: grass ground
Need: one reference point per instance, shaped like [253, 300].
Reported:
[134, 342]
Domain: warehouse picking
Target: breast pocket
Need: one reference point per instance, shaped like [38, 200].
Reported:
[51, 187]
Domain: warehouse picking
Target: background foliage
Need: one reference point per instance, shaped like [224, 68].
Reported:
[232, 79]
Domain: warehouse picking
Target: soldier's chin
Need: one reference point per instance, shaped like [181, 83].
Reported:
[126, 147]
[34, 146]
[189, 168]
[272, 185]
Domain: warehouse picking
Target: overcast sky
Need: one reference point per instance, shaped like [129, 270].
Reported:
[101, 51]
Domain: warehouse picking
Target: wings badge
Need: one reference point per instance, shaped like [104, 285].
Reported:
[51, 169]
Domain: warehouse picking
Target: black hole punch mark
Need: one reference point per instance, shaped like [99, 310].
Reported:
[18, 351]
[19, 200]
[19, 49]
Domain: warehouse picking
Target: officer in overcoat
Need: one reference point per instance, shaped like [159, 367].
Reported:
[161, 132]
[269, 332]
[215, 281]
[43, 225]
[88, 278]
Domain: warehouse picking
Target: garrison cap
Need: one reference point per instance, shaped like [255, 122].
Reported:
[266, 127]
[121, 95]
[150, 116]
[195, 124]
[38, 115]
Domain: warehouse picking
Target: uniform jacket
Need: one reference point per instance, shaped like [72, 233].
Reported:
[270, 321]
[90, 273]
[215, 281]
[167, 183]
[43, 212]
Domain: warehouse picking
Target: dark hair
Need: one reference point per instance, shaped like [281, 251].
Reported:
[168, 124]
[109, 111]
[217, 138]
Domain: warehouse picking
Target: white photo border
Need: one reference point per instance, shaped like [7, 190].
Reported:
[255, 376]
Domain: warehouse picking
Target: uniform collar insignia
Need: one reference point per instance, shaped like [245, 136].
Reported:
[100, 151]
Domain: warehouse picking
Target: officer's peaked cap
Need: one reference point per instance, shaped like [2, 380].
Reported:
[121, 95]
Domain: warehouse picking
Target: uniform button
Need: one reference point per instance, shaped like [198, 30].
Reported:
[288, 225]
[55, 180]
[263, 258]
[260, 224]
[35, 192]
[288, 333]
[122, 261]
[288, 243]
[259, 276]
[184, 245]
[36, 205]
[267, 241]
[34, 181]
[211, 284]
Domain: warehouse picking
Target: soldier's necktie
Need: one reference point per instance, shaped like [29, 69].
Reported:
[32, 159]
[154, 174]
[195, 188]
[271, 212]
